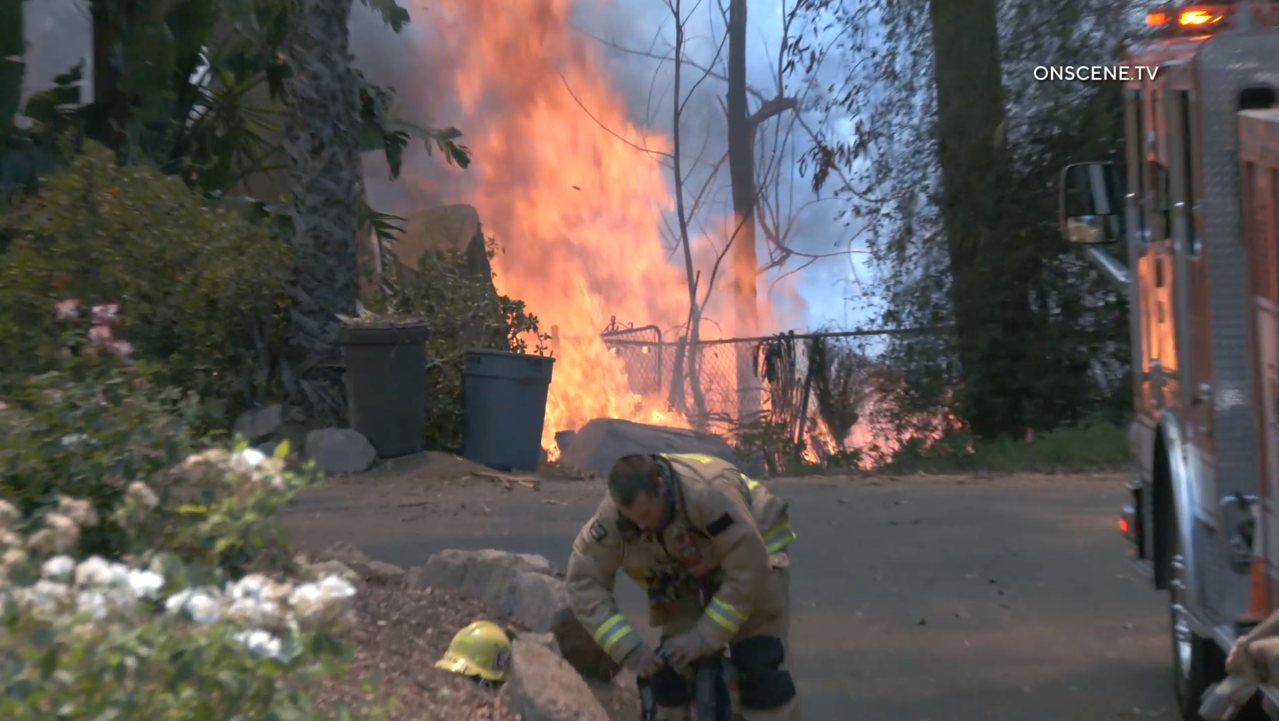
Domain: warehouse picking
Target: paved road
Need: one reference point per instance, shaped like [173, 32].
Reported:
[919, 599]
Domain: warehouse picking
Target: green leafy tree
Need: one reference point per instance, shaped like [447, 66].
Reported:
[991, 268]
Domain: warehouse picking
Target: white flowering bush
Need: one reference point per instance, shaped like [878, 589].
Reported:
[142, 578]
[154, 637]
[97, 424]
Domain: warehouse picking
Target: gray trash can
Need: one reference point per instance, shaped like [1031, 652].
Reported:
[504, 408]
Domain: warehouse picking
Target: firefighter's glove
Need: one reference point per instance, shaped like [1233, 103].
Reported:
[643, 661]
[684, 649]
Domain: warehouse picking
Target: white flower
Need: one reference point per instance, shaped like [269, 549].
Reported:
[256, 612]
[201, 605]
[45, 593]
[9, 515]
[93, 603]
[78, 442]
[260, 643]
[13, 557]
[58, 568]
[252, 586]
[322, 603]
[100, 602]
[337, 587]
[66, 532]
[80, 511]
[145, 584]
[140, 495]
[247, 459]
[312, 607]
[93, 571]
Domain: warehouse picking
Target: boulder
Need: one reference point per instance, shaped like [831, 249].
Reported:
[379, 573]
[455, 228]
[545, 640]
[599, 444]
[564, 438]
[524, 587]
[340, 450]
[544, 687]
[445, 229]
[258, 424]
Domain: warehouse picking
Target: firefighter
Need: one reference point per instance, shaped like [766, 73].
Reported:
[1243, 656]
[709, 546]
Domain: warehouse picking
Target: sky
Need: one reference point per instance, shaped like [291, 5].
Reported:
[58, 36]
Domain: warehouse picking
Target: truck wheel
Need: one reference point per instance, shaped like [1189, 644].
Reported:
[1193, 659]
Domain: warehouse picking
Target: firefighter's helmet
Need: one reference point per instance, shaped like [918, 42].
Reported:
[481, 649]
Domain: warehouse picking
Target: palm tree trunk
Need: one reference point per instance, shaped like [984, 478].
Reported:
[325, 184]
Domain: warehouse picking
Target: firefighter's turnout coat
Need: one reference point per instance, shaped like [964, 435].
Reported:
[718, 544]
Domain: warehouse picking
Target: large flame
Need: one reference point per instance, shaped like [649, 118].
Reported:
[576, 209]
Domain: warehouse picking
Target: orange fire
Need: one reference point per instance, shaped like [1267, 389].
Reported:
[577, 210]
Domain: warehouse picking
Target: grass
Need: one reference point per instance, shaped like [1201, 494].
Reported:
[1097, 445]
[1092, 446]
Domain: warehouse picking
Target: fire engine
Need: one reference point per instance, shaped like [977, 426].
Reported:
[1194, 199]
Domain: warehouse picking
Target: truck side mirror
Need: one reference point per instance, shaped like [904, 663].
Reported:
[1090, 204]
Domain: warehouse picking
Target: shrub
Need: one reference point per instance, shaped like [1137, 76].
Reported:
[464, 313]
[205, 288]
[88, 427]
[99, 423]
[156, 638]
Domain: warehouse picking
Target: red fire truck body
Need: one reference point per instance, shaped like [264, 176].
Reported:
[1194, 203]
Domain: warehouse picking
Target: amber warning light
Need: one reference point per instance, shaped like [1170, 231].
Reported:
[1187, 18]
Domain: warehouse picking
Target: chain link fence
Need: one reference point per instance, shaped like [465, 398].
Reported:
[771, 380]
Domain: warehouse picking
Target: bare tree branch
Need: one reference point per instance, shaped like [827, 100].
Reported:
[642, 149]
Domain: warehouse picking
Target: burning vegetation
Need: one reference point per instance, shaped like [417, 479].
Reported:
[573, 193]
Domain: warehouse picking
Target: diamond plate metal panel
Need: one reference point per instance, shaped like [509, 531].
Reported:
[1226, 65]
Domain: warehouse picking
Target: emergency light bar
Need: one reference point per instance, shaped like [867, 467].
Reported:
[1196, 18]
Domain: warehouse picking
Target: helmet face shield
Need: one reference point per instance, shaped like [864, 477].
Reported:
[482, 649]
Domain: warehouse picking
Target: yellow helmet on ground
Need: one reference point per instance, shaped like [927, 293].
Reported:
[482, 649]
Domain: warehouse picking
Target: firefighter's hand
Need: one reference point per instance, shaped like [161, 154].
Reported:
[684, 649]
[643, 662]
[1240, 658]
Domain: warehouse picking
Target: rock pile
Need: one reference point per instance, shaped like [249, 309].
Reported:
[550, 661]
[524, 587]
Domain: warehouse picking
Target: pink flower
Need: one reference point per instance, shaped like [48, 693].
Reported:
[106, 314]
[68, 309]
[99, 334]
[121, 349]
[4, 406]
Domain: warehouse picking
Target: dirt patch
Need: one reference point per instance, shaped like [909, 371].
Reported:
[397, 637]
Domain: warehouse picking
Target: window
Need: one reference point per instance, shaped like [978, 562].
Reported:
[1136, 155]
[1159, 180]
[1185, 118]
[1162, 203]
